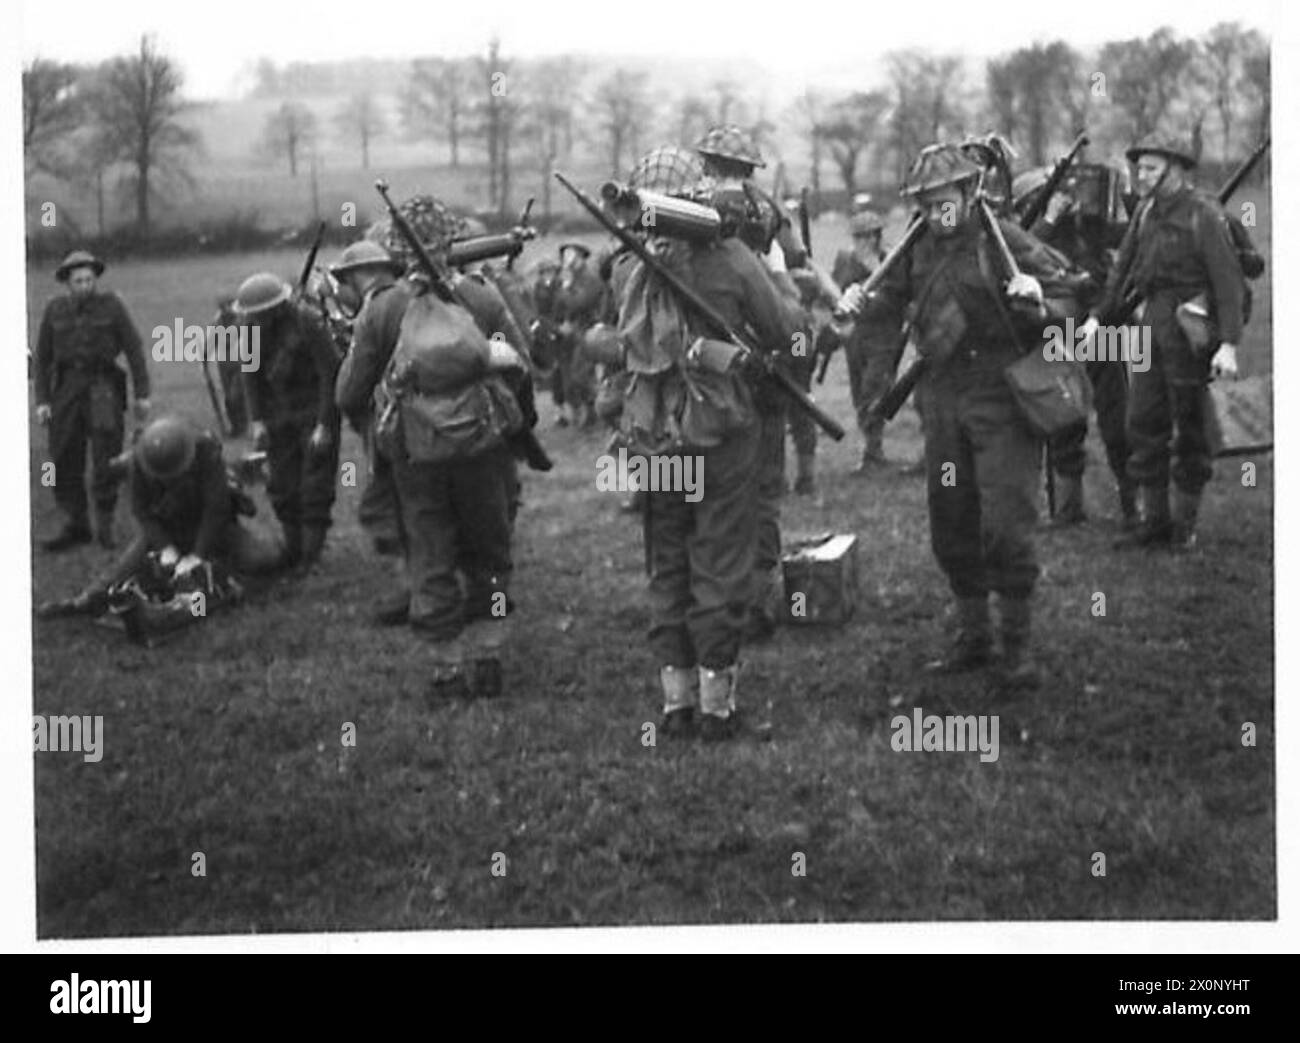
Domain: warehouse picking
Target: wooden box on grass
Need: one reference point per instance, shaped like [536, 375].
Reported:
[824, 570]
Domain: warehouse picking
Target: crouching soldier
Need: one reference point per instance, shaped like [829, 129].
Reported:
[700, 544]
[290, 396]
[187, 512]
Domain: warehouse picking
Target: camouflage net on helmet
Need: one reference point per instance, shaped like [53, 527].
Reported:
[671, 170]
[433, 221]
[731, 142]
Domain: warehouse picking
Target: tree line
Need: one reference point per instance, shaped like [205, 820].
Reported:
[520, 118]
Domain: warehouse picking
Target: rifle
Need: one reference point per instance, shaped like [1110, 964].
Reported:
[310, 263]
[705, 311]
[1242, 172]
[436, 279]
[1038, 207]
[486, 247]
[223, 422]
[805, 226]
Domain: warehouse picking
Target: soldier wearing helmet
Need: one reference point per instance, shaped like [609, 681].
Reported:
[81, 394]
[579, 302]
[1179, 255]
[1085, 220]
[993, 153]
[872, 347]
[982, 457]
[700, 549]
[368, 274]
[187, 512]
[455, 517]
[751, 216]
[291, 412]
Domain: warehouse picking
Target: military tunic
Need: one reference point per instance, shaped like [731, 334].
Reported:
[76, 375]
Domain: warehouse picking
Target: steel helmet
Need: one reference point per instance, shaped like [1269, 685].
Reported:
[937, 166]
[1163, 145]
[261, 292]
[865, 222]
[728, 141]
[165, 449]
[362, 254]
[671, 170]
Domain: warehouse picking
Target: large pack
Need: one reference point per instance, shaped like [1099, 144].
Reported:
[439, 399]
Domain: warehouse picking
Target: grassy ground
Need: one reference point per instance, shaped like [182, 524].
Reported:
[229, 742]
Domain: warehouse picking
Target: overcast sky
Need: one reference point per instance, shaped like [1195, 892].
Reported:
[815, 41]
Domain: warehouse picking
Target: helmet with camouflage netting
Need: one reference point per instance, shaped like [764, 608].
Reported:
[434, 223]
[938, 166]
[728, 141]
[671, 170]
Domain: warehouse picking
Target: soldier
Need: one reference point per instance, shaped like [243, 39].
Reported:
[81, 395]
[699, 552]
[874, 345]
[456, 516]
[291, 412]
[981, 455]
[366, 273]
[1085, 221]
[750, 215]
[186, 511]
[1179, 255]
[994, 154]
[579, 303]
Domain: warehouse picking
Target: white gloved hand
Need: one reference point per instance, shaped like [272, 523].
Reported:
[187, 565]
[168, 556]
[1024, 287]
[1224, 363]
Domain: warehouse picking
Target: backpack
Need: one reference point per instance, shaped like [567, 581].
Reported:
[1249, 260]
[438, 400]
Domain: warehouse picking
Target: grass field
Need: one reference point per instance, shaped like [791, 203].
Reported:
[228, 743]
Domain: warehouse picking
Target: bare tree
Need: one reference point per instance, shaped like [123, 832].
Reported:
[924, 101]
[436, 101]
[693, 119]
[288, 131]
[849, 126]
[728, 97]
[1256, 69]
[137, 105]
[361, 120]
[52, 110]
[497, 110]
[555, 92]
[1144, 77]
[622, 102]
[1225, 49]
[807, 112]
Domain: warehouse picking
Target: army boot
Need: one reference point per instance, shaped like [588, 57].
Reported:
[1069, 501]
[1016, 668]
[679, 685]
[1186, 506]
[104, 527]
[1128, 512]
[972, 648]
[805, 483]
[1153, 528]
[73, 534]
[873, 454]
[719, 718]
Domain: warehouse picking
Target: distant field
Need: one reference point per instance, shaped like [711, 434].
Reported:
[227, 742]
